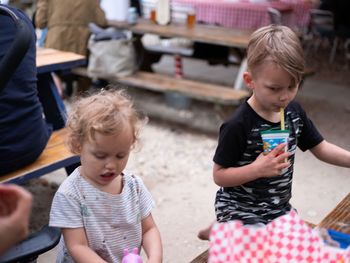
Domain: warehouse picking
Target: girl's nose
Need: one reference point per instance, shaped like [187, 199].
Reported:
[111, 164]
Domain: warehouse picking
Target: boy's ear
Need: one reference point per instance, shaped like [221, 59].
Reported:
[247, 78]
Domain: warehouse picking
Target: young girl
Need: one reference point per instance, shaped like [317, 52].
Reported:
[101, 208]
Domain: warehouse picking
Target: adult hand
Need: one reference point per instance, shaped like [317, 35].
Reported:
[313, 3]
[273, 163]
[15, 208]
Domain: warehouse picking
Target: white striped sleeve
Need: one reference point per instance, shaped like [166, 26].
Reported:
[65, 212]
[146, 200]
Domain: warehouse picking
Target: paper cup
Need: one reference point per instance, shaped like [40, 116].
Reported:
[272, 138]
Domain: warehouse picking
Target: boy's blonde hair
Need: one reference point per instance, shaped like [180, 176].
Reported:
[107, 112]
[278, 44]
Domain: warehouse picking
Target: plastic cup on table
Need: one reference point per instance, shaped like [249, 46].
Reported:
[153, 15]
[191, 18]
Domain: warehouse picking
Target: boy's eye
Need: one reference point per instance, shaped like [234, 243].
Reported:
[121, 156]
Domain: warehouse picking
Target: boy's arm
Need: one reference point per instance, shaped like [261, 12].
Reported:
[78, 247]
[332, 154]
[151, 240]
[264, 166]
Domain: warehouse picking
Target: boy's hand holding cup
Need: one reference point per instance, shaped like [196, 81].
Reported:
[272, 163]
[275, 145]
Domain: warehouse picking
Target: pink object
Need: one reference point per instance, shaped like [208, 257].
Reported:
[286, 239]
[132, 257]
[245, 14]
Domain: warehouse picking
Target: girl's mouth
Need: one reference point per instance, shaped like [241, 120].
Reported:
[107, 175]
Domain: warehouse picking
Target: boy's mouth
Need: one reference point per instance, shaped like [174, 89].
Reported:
[280, 106]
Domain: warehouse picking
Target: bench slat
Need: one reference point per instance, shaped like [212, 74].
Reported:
[193, 89]
[54, 156]
[339, 218]
[190, 88]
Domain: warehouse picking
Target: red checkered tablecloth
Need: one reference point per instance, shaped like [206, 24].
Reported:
[286, 239]
[244, 14]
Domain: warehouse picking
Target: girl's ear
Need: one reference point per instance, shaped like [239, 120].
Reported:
[247, 77]
[76, 147]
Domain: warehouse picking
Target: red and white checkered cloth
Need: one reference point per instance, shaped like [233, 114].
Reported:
[286, 239]
[243, 14]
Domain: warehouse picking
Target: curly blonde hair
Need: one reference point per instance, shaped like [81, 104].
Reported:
[107, 112]
[280, 45]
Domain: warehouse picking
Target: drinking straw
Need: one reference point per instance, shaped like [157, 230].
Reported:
[283, 128]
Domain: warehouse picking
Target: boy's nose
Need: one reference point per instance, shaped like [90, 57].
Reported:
[284, 96]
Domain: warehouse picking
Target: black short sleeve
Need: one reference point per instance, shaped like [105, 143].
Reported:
[233, 137]
[309, 136]
[230, 146]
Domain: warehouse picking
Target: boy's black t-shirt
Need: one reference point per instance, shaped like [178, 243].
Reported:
[240, 143]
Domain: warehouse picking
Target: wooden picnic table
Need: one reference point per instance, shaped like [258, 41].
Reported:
[55, 155]
[48, 61]
[338, 219]
[248, 14]
[207, 34]
[145, 78]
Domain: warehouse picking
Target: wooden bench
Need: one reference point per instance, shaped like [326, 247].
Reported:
[201, 258]
[54, 156]
[161, 83]
[339, 218]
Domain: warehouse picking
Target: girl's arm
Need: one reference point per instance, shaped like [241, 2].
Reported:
[264, 166]
[151, 240]
[77, 245]
[332, 154]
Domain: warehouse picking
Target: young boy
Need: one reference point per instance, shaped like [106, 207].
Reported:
[256, 188]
